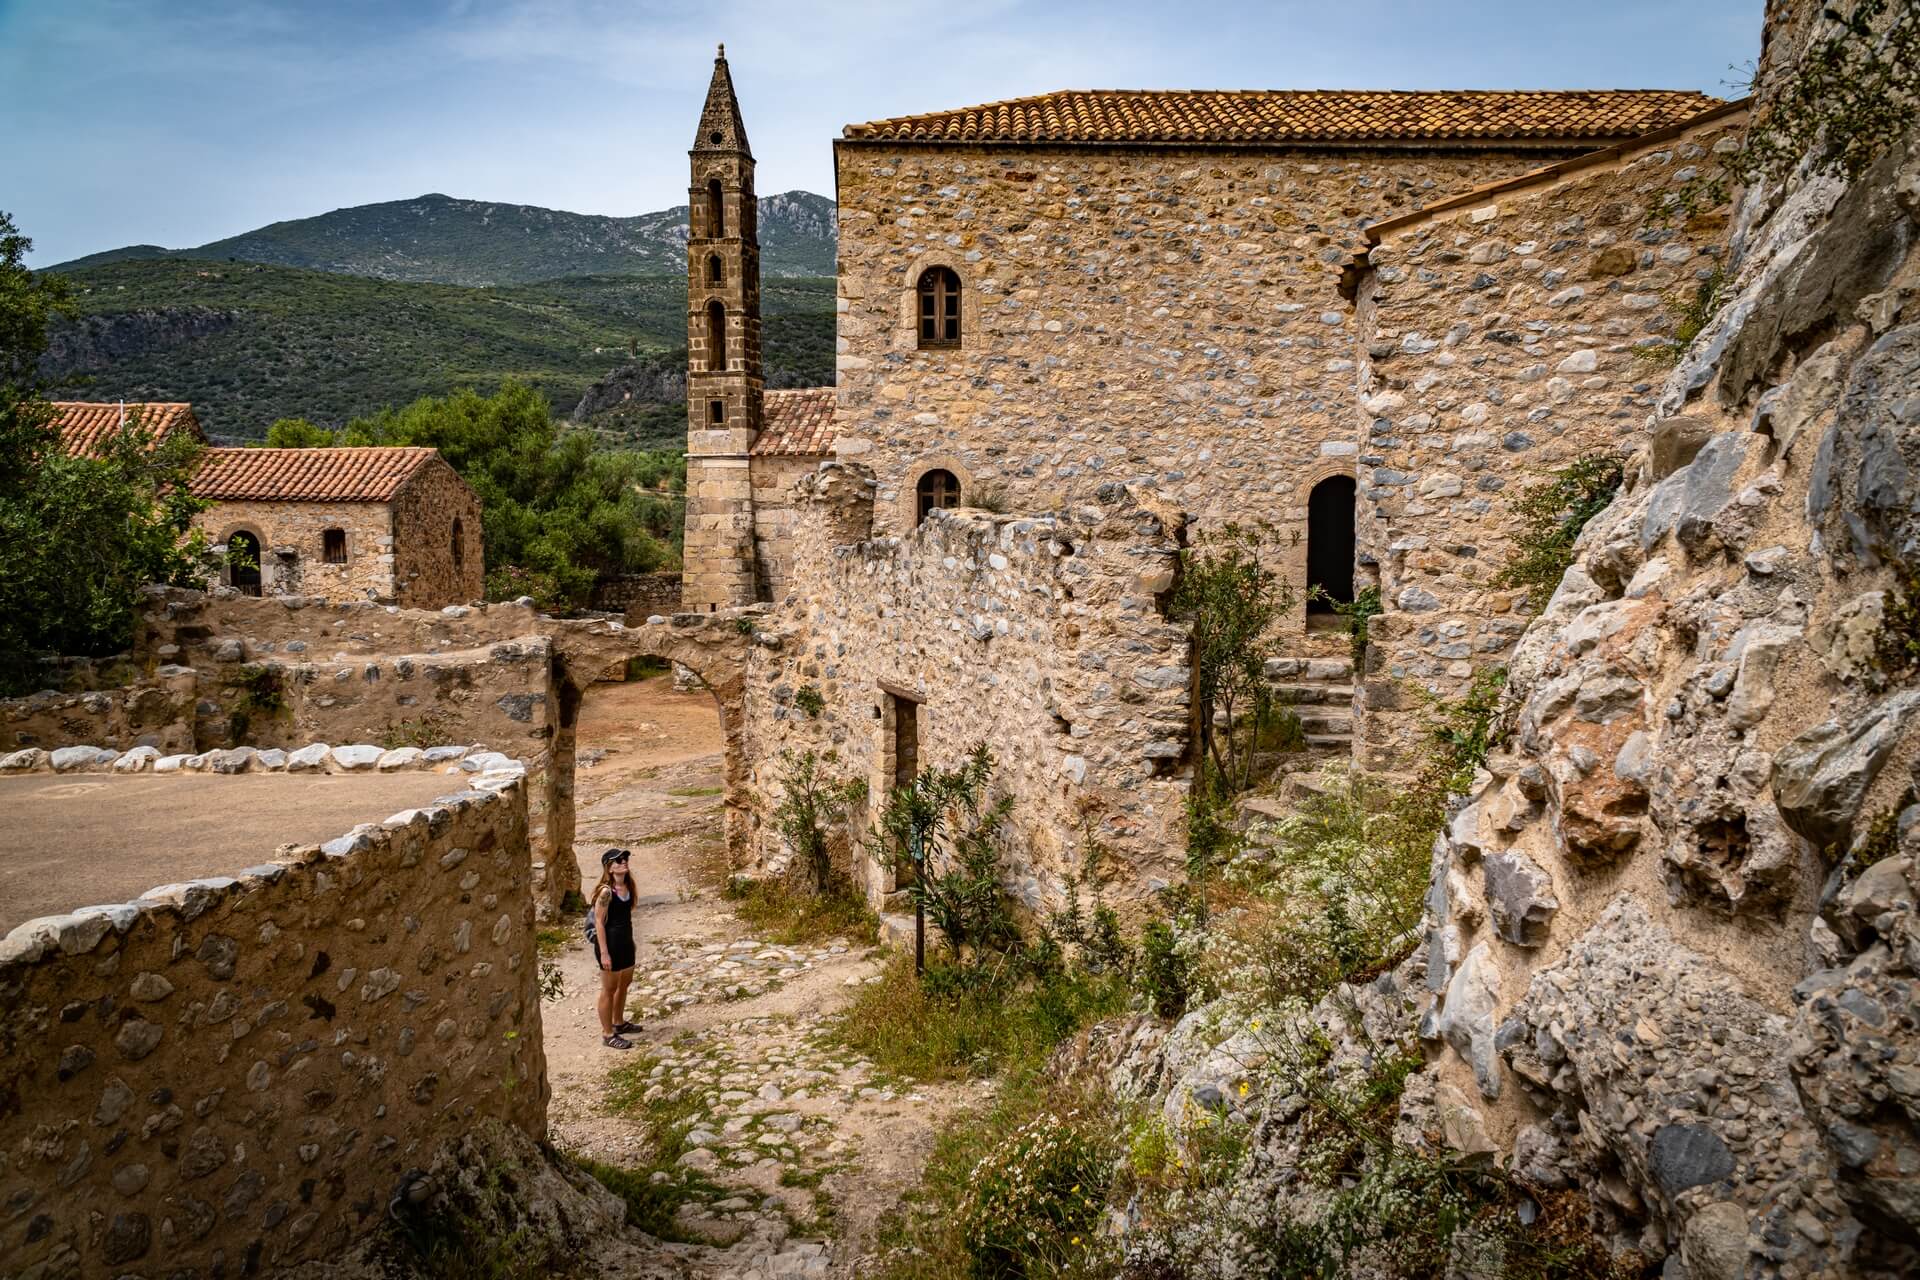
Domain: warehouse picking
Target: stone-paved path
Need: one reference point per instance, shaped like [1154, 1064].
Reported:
[806, 1143]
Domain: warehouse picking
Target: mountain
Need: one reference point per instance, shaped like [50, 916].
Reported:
[248, 342]
[438, 239]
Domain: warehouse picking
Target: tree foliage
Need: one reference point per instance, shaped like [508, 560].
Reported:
[1552, 514]
[78, 535]
[944, 832]
[558, 509]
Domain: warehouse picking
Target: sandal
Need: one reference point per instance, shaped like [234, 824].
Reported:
[615, 1041]
[626, 1028]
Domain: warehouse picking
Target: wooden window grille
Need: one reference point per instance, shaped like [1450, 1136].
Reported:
[937, 490]
[333, 546]
[939, 308]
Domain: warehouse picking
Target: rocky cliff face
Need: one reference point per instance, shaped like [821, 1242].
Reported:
[1673, 941]
[97, 341]
[1670, 965]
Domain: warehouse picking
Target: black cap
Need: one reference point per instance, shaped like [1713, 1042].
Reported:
[607, 858]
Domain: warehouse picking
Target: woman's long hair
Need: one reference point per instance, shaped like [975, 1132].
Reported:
[606, 881]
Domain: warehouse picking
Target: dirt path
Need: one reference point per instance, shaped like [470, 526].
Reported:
[806, 1146]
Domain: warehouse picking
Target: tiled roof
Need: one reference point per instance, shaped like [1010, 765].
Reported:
[1293, 116]
[799, 423]
[372, 474]
[85, 426]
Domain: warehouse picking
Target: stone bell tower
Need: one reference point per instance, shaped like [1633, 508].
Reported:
[723, 355]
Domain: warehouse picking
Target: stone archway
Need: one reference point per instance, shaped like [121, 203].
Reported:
[714, 646]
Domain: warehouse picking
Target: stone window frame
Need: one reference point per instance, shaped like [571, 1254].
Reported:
[907, 501]
[907, 333]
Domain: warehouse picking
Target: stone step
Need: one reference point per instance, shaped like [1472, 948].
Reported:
[1313, 694]
[1326, 723]
[1316, 670]
[1341, 742]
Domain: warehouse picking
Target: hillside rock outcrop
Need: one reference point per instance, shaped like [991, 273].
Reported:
[1709, 1016]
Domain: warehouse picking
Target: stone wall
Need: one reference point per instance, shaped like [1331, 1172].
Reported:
[237, 1074]
[1042, 636]
[292, 550]
[1167, 319]
[1672, 939]
[1502, 336]
[773, 481]
[158, 713]
[638, 595]
[439, 557]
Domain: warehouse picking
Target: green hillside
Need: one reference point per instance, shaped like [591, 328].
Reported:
[440, 239]
[249, 343]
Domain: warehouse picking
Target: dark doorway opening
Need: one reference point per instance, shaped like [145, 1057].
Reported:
[903, 715]
[243, 563]
[1330, 544]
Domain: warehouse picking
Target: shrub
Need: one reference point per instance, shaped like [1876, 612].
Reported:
[808, 699]
[1692, 311]
[810, 801]
[1163, 970]
[1359, 611]
[1033, 1201]
[1552, 514]
[1234, 604]
[943, 833]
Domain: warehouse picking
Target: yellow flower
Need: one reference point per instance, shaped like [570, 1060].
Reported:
[1256, 1024]
[1076, 1239]
[1243, 1088]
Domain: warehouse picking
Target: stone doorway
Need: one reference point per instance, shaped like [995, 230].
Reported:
[1330, 546]
[243, 562]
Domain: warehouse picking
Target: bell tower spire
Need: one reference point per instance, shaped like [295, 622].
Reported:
[723, 354]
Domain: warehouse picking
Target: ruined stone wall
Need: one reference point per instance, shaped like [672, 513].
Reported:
[1165, 319]
[1501, 339]
[299, 528]
[439, 558]
[155, 713]
[239, 1073]
[1041, 636]
[773, 480]
[1672, 939]
[639, 595]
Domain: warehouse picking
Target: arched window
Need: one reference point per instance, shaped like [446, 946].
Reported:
[333, 546]
[937, 491]
[716, 211]
[939, 308]
[716, 336]
[1330, 544]
[243, 562]
[459, 543]
[714, 275]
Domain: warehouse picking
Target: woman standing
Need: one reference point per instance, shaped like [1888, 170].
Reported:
[613, 946]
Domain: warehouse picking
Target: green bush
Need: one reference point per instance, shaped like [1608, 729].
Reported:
[941, 833]
[79, 536]
[811, 802]
[1552, 514]
[1162, 977]
[1033, 1202]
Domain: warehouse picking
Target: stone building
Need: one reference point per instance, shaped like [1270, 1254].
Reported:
[379, 523]
[1505, 332]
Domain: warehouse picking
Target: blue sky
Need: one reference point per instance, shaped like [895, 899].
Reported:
[176, 122]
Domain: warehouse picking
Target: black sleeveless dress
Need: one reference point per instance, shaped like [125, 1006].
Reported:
[616, 940]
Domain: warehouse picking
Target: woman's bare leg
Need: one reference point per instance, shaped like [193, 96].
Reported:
[605, 1004]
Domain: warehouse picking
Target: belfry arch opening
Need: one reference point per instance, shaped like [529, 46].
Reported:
[716, 335]
[716, 210]
[1330, 545]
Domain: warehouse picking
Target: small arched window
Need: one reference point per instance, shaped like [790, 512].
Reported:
[937, 491]
[939, 307]
[716, 210]
[243, 562]
[714, 274]
[716, 336]
[459, 543]
[333, 546]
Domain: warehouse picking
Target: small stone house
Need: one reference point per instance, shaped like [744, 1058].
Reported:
[378, 523]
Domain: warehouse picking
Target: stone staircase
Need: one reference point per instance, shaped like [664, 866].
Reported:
[1320, 691]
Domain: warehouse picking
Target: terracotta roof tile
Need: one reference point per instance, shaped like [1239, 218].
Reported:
[798, 423]
[86, 426]
[1292, 116]
[372, 474]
